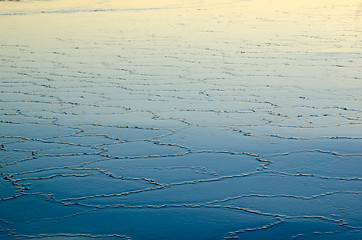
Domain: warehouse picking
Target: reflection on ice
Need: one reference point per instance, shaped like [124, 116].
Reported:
[180, 120]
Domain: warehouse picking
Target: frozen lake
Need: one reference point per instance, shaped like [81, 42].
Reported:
[182, 120]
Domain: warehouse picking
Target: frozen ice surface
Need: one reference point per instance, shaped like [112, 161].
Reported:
[182, 120]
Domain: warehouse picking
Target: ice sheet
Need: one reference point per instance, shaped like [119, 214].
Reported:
[180, 119]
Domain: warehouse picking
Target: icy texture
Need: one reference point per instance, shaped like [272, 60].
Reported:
[180, 120]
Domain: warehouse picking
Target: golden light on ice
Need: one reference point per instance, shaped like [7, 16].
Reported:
[253, 20]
